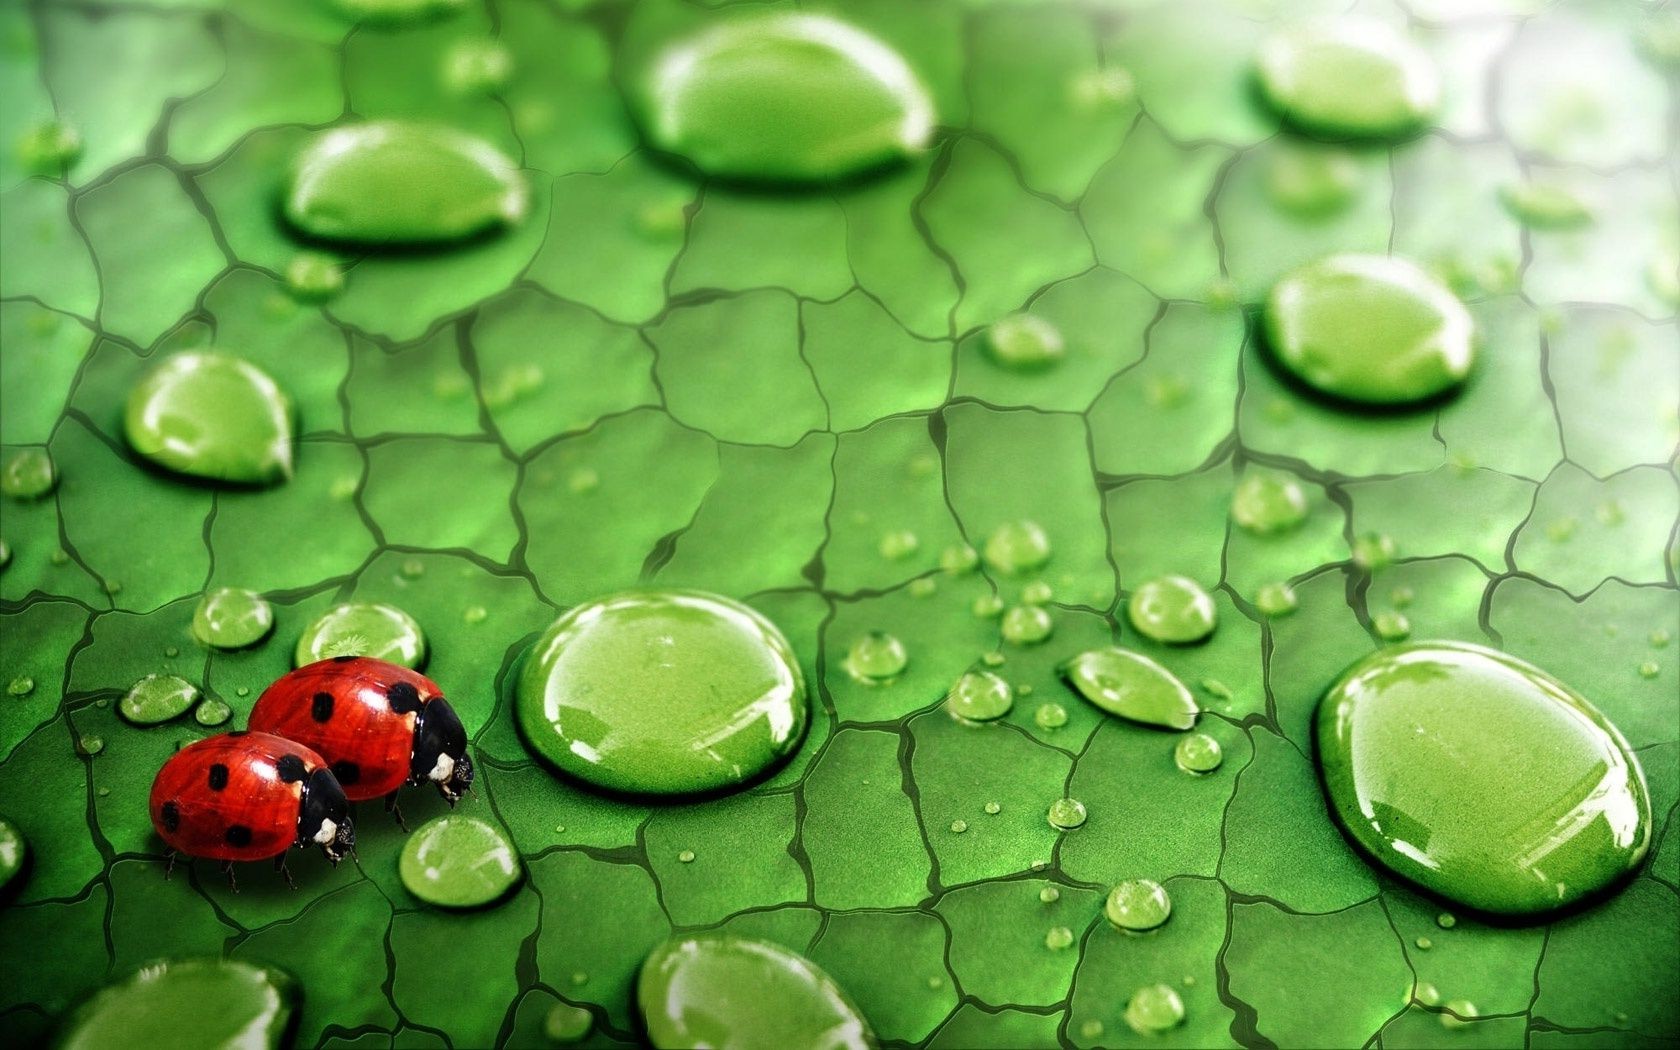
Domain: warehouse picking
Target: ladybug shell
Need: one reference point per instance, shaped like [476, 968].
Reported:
[358, 712]
[232, 797]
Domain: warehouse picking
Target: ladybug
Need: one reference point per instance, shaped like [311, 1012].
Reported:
[379, 726]
[249, 796]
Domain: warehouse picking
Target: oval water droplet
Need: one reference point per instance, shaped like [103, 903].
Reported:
[1017, 546]
[157, 698]
[662, 692]
[14, 853]
[565, 1023]
[49, 149]
[232, 618]
[1026, 624]
[1132, 686]
[186, 1002]
[1370, 329]
[1374, 550]
[711, 989]
[1458, 1013]
[1348, 77]
[1198, 753]
[393, 182]
[1154, 1009]
[212, 712]
[876, 658]
[212, 415]
[1138, 905]
[1025, 342]
[22, 685]
[459, 861]
[28, 474]
[1276, 599]
[1065, 814]
[1268, 501]
[1057, 938]
[1172, 609]
[1545, 206]
[958, 558]
[783, 97]
[898, 545]
[1481, 778]
[477, 67]
[1050, 716]
[1311, 180]
[373, 629]
[314, 277]
[1392, 626]
[980, 696]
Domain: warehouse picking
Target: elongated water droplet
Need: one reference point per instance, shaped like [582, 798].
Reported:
[373, 629]
[157, 698]
[1350, 78]
[212, 415]
[232, 618]
[1172, 609]
[1132, 686]
[1025, 342]
[980, 696]
[1544, 206]
[199, 1002]
[1138, 905]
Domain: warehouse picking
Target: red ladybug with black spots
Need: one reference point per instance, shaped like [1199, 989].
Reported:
[250, 796]
[379, 726]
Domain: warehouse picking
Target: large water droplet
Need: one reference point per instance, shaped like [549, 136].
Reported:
[1138, 905]
[458, 861]
[1268, 501]
[1172, 609]
[157, 698]
[186, 1002]
[784, 97]
[662, 692]
[232, 618]
[1132, 686]
[711, 989]
[28, 474]
[1017, 546]
[1348, 78]
[212, 415]
[876, 658]
[1370, 329]
[395, 182]
[1481, 778]
[374, 629]
[980, 696]
[1025, 342]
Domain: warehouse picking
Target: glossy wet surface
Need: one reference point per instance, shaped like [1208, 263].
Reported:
[539, 418]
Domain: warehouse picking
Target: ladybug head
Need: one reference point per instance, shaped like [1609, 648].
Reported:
[440, 751]
[324, 816]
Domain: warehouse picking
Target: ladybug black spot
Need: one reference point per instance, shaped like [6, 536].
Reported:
[346, 772]
[237, 835]
[403, 697]
[321, 710]
[218, 777]
[170, 814]
[291, 769]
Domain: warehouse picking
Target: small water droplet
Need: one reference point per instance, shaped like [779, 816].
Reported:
[1276, 600]
[1425, 994]
[959, 558]
[1660, 638]
[1050, 715]
[980, 696]
[1065, 814]
[1017, 547]
[1058, 937]
[477, 67]
[1027, 624]
[1108, 88]
[88, 746]
[242, 691]
[1446, 920]
[936, 982]
[1198, 753]
[987, 606]
[1561, 530]
[1424, 944]
[959, 826]
[314, 277]
[1268, 501]
[686, 856]
[1545, 205]
[1172, 609]
[1025, 342]
[565, 1023]
[876, 658]
[922, 587]
[580, 978]
[104, 792]
[1155, 1008]
[1650, 669]
[1392, 626]
[212, 712]
[28, 475]
[1049, 895]
[1037, 593]
[898, 545]
[1610, 513]
[1138, 905]
[59, 556]
[1311, 180]
[49, 149]
[157, 698]
[1458, 1013]
[583, 480]
[992, 659]
[232, 618]
[1092, 1029]
[1374, 550]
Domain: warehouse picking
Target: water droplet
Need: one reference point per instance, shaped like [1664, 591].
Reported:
[1650, 669]
[784, 97]
[1276, 599]
[1350, 77]
[1311, 180]
[1458, 1013]
[980, 696]
[565, 1023]
[876, 658]
[28, 474]
[1037, 593]
[1660, 638]
[5, 554]
[994, 808]
[1108, 88]
[922, 587]
[1545, 206]
[373, 629]
[896, 546]
[88, 746]
[1446, 920]
[1065, 814]
[1425, 994]
[253, 1005]
[1374, 550]
[1268, 501]
[959, 558]
[1138, 905]
[412, 568]
[959, 826]
[1425, 752]
[1610, 513]
[686, 856]
[393, 182]
[103, 792]
[232, 618]
[1017, 546]
[1050, 716]
[1132, 686]
[242, 691]
[212, 712]
[992, 659]
[1026, 624]
[1025, 342]
[1155, 1008]
[583, 480]
[157, 698]
[579, 978]
[1392, 626]
[1172, 609]
[171, 652]
[1198, 753]
[1049, 895]
[459, 861]
[314, 277]
[22, 685]
[49, 149]
[1057, 938]
[1092, 1029]
[1371, 329]
[987, 606]
[477, 67]
[662, 692]
[211, 415]
[936, 982]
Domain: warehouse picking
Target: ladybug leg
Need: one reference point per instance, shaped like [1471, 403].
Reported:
[280, 866]
[227, 869]
[395, 810]
[169, 856]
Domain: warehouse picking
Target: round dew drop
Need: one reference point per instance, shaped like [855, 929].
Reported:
[314, 277]
[565, 1023]
[157, 698]
[1198, 753]
[980, 696]
[28, 475]
[1058, 938]
[896, 546]
[373, 629]
[876, 658]
[1310, 180]
[211, 415]
[1026, 624]
[1392, 626]
[1155, 1008]
[459, 861]
[212, 712]
[1349, 78]
[1172, 609]
[1050, 715]
[232, 618]
[1374, 550]
[1138, 905]
[1017, 547]
[1024, 342]
[1065, 814]
[1268, 501]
